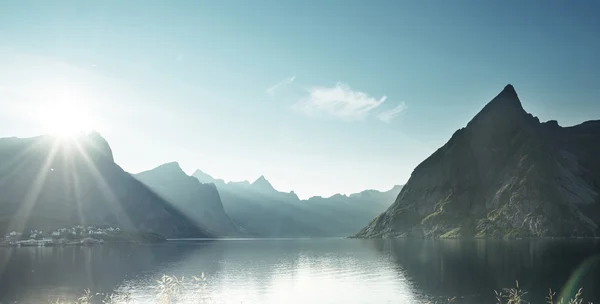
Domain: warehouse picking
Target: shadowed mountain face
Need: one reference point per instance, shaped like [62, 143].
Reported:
[201, 202]
[504, 175]
[48, 183]
[266, 212]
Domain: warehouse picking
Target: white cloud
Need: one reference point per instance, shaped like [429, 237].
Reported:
[280, 84]
[339, 101]
[389, 115]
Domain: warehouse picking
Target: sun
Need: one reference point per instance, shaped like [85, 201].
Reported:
[66, 119]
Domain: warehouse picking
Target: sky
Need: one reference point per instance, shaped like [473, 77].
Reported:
[320, 97]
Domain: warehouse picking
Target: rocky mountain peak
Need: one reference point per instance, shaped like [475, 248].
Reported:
[509, 91]
[504, 110]
[262, 183]
[201, 202]
[507, 97]
[95, 145]
[203, 177]
[170, 168]
[293, 195]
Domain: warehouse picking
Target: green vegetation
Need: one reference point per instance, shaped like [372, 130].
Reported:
[452, 234]
[515, 295]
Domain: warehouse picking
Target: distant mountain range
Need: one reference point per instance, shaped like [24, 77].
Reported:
[266, 212]
[200, 202]
[505, 174]
[48, 183]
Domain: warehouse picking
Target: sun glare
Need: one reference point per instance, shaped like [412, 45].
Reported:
[64, 108]
[66, 119]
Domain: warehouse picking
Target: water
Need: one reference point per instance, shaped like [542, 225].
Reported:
[307, 270]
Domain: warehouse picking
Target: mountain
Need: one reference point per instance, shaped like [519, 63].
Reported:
[263, 185]
[49, 183]
[266, 212]
[205, 178]
[343, 213]
[261, 212]
[505, 174]
[201, 202]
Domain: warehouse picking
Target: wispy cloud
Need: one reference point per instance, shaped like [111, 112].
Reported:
[280, 84]
[339, 101]
[389, 115]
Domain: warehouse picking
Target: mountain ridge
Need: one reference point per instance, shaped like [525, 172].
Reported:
[204, 177]
[49, 182]
[200, 201]
[282, 214]
[503, 175]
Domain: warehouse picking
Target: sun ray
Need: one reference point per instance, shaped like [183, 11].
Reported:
[77, 193]
[71, 176]
[113, 202]
[20, 157]
[33, 193]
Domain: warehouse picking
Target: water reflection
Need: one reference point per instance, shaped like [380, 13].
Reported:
[472, 270]
[40, 274]
[307, 271]
[290, 271]
[304, 271]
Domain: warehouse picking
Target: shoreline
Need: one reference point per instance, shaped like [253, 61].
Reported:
[478, 238]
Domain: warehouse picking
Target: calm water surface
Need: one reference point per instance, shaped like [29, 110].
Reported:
[306, 271]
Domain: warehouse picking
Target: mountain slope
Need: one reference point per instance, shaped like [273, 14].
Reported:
[201, 202]
[504, 175]
[48, 183]
[266, 212]
[349, 213]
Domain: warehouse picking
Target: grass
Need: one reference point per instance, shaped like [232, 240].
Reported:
[168, 290]
[516, 295]
[171, 290]
[88, 298]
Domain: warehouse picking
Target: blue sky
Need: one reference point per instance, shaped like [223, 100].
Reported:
[321, 97]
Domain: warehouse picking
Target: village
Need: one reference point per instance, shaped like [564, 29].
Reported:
[73, 236]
